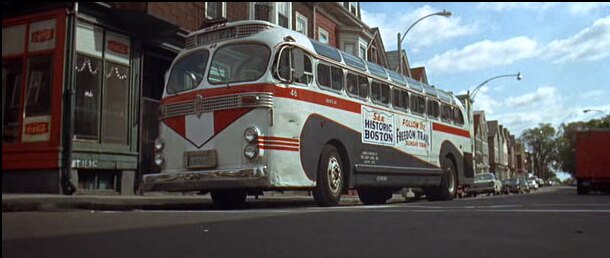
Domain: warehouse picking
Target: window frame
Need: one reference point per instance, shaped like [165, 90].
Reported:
[416, 104]
[435, 108]
[303, 18]
[223, 7]
[322, 31]
[276, 65]
[211, 60]
[99, 99]
[330, 70]
[381, 86]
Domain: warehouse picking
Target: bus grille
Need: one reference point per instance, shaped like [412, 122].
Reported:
[200, 105]
[220, 34]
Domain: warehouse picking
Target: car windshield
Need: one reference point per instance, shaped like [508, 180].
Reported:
[238, 63]
[188, 71]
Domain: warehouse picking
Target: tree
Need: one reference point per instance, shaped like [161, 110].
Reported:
[566, 141]
[542, 141]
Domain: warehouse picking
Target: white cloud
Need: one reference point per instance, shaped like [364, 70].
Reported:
[517, 113]
[542, 94]
[484, 54]
[593, 94]
[589, 44]
[425, 33]
[485, 102]
[583, 8]
[505, 6]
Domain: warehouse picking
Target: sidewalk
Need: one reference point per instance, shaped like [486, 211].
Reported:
[153, 201]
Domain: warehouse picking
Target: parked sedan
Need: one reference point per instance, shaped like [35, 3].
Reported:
[485, 183]
[513, 186]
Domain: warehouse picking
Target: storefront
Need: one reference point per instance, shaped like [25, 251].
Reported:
[72, 100]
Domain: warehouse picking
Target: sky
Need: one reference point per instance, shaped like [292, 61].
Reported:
[561, 49]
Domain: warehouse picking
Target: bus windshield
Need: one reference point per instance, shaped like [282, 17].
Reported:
[238, 63]
[188, 71]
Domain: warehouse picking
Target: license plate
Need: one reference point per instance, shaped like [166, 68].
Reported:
[200, 159]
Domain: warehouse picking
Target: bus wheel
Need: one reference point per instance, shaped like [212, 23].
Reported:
[330, 178]
[374, 196]
[446, 191]
[227, 198]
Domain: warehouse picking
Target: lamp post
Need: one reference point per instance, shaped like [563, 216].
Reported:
[444, 13]
[597, 110]
[476, 90]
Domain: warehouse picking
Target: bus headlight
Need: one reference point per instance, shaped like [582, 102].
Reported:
[159, 160]
[159, 144]
[251, 151]
[251, 134]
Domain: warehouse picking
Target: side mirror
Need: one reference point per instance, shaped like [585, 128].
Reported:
[298, 63]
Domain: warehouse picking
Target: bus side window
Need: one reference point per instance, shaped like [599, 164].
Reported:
[418, 104]
[323, 75]
[337, 78]
[308, 74]
[385, 94]
[433, 109]
[351, 84]
[284, 67]
[396, 98]
[363, 84]
[405, 99]
[458, 117]
[446, 113]
[375, 90]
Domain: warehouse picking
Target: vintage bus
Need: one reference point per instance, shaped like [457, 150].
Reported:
[249, 106]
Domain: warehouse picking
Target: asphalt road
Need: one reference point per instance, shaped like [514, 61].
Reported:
[551, 223]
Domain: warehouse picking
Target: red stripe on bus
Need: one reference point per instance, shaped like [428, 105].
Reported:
[264, 147]
[177, 124]
[450, 130]
[279, 143]
[275, 138]
[282, 92]
[224, 118]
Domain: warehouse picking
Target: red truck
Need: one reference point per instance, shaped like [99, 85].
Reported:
[593, 160]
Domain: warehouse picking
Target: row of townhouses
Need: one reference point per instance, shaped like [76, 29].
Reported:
[496, 149]
[61, 137]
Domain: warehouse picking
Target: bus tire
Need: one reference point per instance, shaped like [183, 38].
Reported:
[374, 196]
[228, 198]
[446, 191]
[330, 178]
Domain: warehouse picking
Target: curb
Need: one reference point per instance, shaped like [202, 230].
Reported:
[59, 203]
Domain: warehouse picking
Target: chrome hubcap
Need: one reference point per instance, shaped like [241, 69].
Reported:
[334, 174]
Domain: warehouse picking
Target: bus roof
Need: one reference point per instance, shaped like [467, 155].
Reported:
[247, 28]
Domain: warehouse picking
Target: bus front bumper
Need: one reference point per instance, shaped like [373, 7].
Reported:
[207, 180]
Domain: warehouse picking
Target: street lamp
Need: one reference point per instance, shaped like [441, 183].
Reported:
[597, 110]
[444, 13]
[476, 90]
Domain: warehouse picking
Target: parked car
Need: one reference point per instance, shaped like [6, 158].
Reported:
[512, 186]
[533, 185]
[540, 182]
[485, 183]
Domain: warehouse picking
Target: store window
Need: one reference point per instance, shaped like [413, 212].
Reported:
[11, 96]
[102, 85]
[27, 94]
